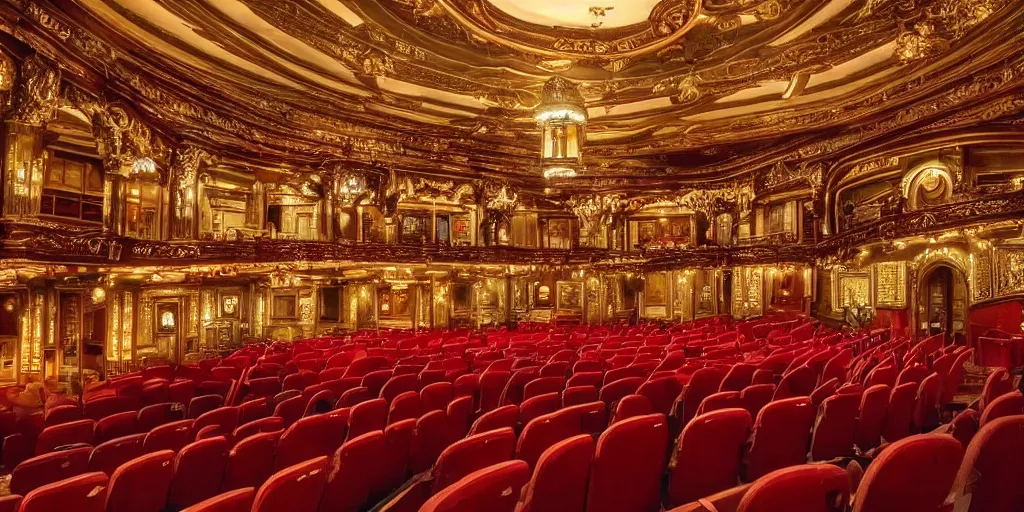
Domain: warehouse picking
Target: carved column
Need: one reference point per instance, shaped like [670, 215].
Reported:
[121, 139]
[34, 101]
[330, 182]
[185, 192]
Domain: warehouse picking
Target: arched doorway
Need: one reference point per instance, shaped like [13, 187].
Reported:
[942, 296]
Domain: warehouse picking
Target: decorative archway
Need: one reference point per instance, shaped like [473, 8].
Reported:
[940, 300]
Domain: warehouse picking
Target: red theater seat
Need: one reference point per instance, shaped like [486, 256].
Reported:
[835, 428]
[494, 489]
[781, 437]
[48, 468]
[987, 481]
[707, 455]
[807, 488]
[352, 471]
[559, 483]
[239, 500]
[64, 434]
[172, 436]
[83, 493]
[295, 489]
[471, 454]
[251, 461]
[431, 436]
[108, 456]
[503, 417]
[198, 472]
[914, 474]
[874, 405]
[141, 484]
[628, 464]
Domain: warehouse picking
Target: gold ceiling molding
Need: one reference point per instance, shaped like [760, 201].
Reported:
[252, 118]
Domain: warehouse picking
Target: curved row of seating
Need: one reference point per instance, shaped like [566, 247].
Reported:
[365, 420]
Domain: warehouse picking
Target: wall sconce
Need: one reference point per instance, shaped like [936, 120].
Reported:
[98, 295]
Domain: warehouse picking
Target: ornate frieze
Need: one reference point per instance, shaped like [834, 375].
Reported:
[37, 93]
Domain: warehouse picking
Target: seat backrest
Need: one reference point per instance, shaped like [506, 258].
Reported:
[431, 436]
[662, 392]
[63, 414]
[998, 383]
[81, 431]
[141, 484]
[985, 477]
[366, 417]
[436, 396]
[152, 416]
[171, 436]
[738, 377]
[226, 417]
[805, 488]
[835, 428]
[612, 392]
[874, 404]
[203, 404]
[538, 406]
[405, 406]
[295, 489]
[631, 406]
[550, 429]
[577, 395]
[756, 396]
[116, 425]
[559, 483]
[703, 383]
[239, 500]
[506, 416]
[926, 413]
[82, 493]
[108, 456]
[628, 463]
[542, 386]
[914, 474]
[399, 384]
[799, 382]
[48, 468]
[1010, 404]
[780, 438]
[250, 461]
[471, 454]
[720, 400]
[707, 455]
[398, 438]
[496, 488]
[268, 424]
[354, 472]
[900, 415]
[198, 472]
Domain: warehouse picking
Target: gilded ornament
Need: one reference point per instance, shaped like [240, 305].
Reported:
[38, 92]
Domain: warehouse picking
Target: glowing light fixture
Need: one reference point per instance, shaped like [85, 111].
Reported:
[562, 119]
[144, 166]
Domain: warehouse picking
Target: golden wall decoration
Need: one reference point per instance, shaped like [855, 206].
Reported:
[850, 288]
[891, 288]
[1009, 270]
[747, 286]
[656, 289]
[570, 296]
[981, 275]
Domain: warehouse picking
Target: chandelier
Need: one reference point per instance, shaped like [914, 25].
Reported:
[562, 119]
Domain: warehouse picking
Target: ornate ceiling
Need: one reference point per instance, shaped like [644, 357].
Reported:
[678, 92]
